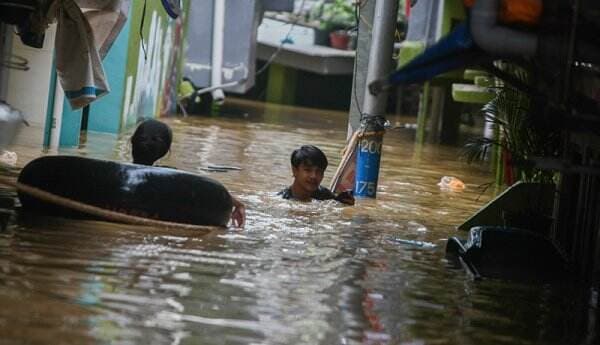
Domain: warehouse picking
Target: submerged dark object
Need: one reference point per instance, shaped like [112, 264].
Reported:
[21, 14]
[508, 253]
[145, 191]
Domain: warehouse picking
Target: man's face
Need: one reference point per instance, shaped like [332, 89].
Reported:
[308, 177]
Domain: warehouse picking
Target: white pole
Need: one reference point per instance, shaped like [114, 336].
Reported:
[217, 49]
[440, 21]
[59, 98]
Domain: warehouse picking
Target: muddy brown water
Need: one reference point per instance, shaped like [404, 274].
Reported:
[299, 273]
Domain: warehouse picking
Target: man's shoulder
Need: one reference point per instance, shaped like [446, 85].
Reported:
[285, 193]
[320, 194]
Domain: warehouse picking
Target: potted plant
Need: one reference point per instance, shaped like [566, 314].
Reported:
[332, 16]
[522, 133]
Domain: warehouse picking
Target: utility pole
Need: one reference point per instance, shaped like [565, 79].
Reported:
[370, 116]
[377, 24]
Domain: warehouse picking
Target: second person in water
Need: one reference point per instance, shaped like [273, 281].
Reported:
[152, 140]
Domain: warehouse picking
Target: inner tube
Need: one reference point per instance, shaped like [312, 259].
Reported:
[144, 191]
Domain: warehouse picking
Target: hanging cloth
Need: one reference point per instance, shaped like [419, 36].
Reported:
[85, 32]
[106, 18]
[78, 63]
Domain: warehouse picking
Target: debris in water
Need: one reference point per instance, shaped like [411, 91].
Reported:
[415, 243]
[451, 183]
[11, 120]
[220, 168]
[8, 158]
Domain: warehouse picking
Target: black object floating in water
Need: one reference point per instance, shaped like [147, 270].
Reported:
[507, 253]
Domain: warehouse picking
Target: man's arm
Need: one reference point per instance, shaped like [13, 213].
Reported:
[345, 197]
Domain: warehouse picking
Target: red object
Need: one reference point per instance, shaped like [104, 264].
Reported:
[407, 7]
[524, 12]
[509, 177]
[339, 39]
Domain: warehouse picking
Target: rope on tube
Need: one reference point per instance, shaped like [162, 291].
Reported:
[101, 212]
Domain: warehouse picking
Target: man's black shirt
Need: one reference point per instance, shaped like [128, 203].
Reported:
[320, 194]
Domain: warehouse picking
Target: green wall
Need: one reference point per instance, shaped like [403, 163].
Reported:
[151, 79]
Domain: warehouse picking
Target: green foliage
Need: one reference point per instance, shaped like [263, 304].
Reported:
[401, 17]
[523, 134]
[335, 15]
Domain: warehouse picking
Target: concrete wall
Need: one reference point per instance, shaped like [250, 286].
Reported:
[239, 51]
[28, 90]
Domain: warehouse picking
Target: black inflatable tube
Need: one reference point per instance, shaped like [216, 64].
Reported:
[145, 191]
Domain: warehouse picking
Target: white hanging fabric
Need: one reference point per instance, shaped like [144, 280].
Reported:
[107, 18]
[83, 38]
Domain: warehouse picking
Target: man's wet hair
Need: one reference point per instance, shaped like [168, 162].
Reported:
[309, 155]
[150, 141]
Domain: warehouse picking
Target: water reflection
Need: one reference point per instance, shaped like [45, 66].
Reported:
[300, 273]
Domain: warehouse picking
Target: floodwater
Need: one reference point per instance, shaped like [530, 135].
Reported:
[299, 273]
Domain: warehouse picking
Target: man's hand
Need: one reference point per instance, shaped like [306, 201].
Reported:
[238, 215]
[345, 197]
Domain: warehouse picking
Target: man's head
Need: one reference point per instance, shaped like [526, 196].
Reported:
[150, 141]
[308, 165]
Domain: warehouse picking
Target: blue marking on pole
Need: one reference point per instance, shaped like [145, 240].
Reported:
[368, 157]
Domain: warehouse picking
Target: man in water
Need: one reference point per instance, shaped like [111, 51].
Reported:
[152, 140]
[308, 167]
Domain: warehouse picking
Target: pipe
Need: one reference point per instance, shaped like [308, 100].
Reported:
[497, 39]
[380, 53]
[440, 19]
[219, 87]
[217, 50]
[57, 111]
